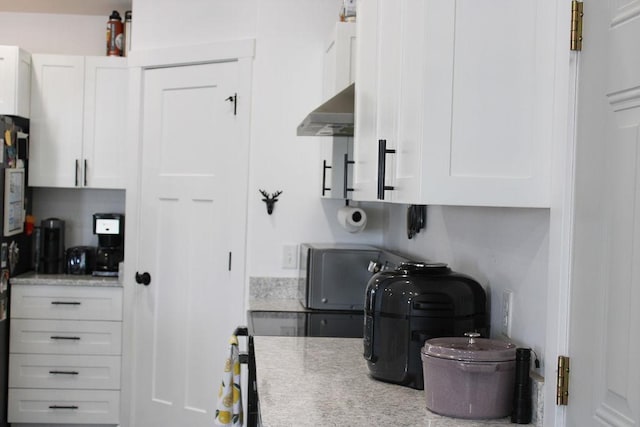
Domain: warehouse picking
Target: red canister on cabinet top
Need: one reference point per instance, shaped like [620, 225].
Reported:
[114, 35]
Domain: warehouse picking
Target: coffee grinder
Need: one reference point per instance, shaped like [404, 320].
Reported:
[109, 228]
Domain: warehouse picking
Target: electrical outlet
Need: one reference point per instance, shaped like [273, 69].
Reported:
[290, 257]
[507, 312]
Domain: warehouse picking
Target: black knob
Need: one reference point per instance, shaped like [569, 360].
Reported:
[143, 279]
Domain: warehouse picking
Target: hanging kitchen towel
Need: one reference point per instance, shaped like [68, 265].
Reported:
[229, 408]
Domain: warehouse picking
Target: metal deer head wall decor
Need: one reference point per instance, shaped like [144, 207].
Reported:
[270, 200]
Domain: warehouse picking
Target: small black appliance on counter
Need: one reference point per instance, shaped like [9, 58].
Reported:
[81, 260]
[109, 227]
[411, 304]
[51, 253]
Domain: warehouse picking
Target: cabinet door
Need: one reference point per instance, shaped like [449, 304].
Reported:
[462, 94]
[337, 157]
[365, 168]
[339, 72]
[339, 59]
[105, 98]
[56, 120]
[15, 81]
[488, 96]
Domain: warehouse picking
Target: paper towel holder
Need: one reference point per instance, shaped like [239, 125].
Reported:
[357, 215]
[270, 200]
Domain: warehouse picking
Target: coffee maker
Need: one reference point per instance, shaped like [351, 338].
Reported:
[109, 227]
[50, 253]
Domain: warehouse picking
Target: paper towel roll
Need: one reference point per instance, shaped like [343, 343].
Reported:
[352, 219]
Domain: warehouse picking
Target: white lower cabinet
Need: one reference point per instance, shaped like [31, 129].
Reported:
[64, 406]
[65, 354]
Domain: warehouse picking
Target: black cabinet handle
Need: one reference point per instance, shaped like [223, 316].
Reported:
[234, 98]
[58, 337]
[345, 187]
[85, 172]
[143, 279]
[382, 166]
[64, 372]
[324, 177]
[63, 407]
[77, 166]
[65, 303]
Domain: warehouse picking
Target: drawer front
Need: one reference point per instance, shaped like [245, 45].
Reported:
[64, 406]
[65, 337]
[66, 302]
[64, 372]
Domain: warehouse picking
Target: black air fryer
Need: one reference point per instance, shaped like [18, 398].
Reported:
[409, 305]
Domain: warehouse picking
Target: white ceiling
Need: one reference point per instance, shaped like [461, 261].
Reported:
[71, 7]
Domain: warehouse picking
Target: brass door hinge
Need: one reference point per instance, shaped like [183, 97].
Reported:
[576, 25]
[562, 388]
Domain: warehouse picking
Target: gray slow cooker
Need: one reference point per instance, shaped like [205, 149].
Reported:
[469, 377]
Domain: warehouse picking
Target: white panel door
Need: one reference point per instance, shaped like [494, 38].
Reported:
[192, 205]
[605, 287]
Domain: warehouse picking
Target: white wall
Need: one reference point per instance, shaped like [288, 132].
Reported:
[291, 35]
[49, 33]
[76, 207]
[502, 248]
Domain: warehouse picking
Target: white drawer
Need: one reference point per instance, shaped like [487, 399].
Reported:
[66, 302]
[63, 406]
[64, 372]
[65, 337]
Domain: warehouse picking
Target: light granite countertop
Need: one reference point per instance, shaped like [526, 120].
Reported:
[306, 381]
[32, 278]
[263, 304]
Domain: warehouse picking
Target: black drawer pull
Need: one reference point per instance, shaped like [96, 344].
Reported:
[63, 407]
[64, 372]
[57, 337]
[65, 303]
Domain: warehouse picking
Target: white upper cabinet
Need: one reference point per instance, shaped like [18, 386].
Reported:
[15, 81]
[338, 73]
[78, 121]
[454, 102]
[339, 59]
[105, 101]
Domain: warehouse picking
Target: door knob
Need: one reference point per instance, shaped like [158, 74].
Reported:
[143, 279]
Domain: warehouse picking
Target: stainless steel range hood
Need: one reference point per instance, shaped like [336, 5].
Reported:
[333, 118]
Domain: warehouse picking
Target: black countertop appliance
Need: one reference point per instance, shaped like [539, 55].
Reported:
[52, 253]
[109, 227]
[411, 304]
